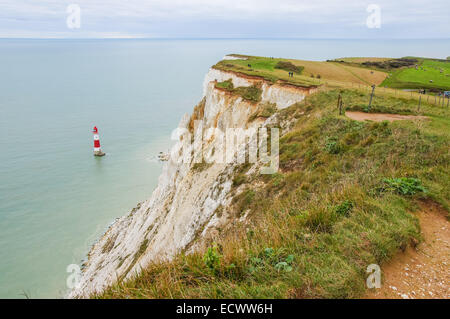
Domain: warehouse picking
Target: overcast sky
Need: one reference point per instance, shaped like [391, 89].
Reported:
[225, 19]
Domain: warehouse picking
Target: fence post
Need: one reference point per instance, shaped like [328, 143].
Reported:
[371, 96]
[339, 104]
[418, 107]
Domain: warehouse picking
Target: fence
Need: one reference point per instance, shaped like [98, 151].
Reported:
[423, 98]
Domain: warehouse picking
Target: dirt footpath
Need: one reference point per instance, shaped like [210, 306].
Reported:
[423, 272]
[379, 117]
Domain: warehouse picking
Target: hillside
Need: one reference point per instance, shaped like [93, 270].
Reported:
[344, 196]
[429, 74]
[406, 73]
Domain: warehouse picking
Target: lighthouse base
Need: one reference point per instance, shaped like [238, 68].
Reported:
[99, 153]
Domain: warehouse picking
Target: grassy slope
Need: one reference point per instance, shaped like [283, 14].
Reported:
[338, 72]
[412, 78]
[316, 225]
[407, 77]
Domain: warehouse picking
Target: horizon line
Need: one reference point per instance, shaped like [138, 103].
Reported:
[209, 38]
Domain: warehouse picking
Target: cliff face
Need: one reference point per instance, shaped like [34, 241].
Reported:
[182, 209]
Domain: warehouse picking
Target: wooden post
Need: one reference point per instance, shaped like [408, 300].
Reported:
[418, 107]
[371, 97]
[339, 105]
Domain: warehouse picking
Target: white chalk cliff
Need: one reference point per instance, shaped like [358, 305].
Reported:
[181, 211]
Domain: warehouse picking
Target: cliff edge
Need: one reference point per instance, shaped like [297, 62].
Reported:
[182, 208]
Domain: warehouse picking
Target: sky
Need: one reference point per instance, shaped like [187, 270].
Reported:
[224, 19]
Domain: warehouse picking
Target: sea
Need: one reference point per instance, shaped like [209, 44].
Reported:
[56, 198]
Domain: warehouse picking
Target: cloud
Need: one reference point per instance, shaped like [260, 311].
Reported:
[222, 18]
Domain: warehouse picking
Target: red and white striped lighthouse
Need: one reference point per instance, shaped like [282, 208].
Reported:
[97, 149]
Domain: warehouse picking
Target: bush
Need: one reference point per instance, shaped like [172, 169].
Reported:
[288, 66]
[250, 93]
[264, 111]
[344, 208]
[403, 185]
[212, 259]
[332, 146]
[228, 85]
[239, 179]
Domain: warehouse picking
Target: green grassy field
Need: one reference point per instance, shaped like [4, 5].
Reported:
[266, 69]
[410, 78]
[343, 198]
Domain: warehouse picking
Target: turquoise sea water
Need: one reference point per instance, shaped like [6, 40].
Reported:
[55, 197]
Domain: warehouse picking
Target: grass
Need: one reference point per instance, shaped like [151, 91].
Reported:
[342, 199]
[266, 68]
[307, 73]
[345, 73]
[249, 93]
[412, 78]
[264, 110]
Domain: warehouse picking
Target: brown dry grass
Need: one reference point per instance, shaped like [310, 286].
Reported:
[338, 72]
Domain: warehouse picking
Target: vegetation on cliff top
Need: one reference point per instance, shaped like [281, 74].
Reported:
[249, 93]
[429, 74]
[407, 72]
[306, 73]
[343, 198]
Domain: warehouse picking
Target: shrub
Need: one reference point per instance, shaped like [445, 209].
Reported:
[285, 265]
[239, 179]
[198, 167]
[228, 85]
[344, 208]
[403, 185]
[212, 259]
[288, 66]
[250, 93]
[332, 146]
[265, 110]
